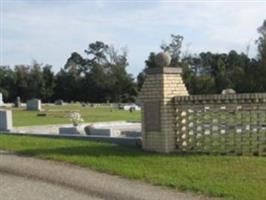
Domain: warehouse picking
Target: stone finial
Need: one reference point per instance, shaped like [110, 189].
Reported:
[163, 59]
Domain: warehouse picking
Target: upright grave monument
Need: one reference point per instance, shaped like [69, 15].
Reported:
[34, 105]
[158, 113]
[18, 102]
[5, 120]
[1, 99]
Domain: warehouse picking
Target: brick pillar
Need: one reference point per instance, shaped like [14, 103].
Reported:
[158, 113]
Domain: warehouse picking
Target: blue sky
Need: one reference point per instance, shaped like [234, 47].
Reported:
[50, 30]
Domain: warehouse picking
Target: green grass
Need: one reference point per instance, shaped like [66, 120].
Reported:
[21, 117]
[242, 178]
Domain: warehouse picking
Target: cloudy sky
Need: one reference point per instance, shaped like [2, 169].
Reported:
[49, 30]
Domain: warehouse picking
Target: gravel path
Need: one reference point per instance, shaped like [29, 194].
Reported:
[21, 188]
[33, 179]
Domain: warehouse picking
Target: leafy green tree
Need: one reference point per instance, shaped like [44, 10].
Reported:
[150, 62]
[47, 91]
[32, 81]
[197, 76]
[261, 42]
[221, 78]
[97, 53]
[68, 86]
[7, 82]
[22, 81]
[174, 49]
[75, 63]
[35, 83]
[100, 77]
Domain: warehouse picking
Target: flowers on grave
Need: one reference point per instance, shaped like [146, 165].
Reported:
[75, 118]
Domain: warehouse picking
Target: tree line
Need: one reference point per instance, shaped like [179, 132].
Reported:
[101, 75]
[210, 73]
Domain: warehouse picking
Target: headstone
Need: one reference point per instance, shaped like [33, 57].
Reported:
[5, 120]
[59, 102]
[228, 91]
[130, 107]
[113, 129]
[34, 104]
[69, 130]
[103, 131]
[18, 102]
[1, 99]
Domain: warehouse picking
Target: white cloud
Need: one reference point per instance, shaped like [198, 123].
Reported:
[51, 30]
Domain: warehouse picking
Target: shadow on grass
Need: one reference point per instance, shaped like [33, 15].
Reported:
[101, 150]
[95, 151]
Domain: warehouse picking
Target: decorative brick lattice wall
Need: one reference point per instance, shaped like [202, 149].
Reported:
[217, 124]
[223, 124]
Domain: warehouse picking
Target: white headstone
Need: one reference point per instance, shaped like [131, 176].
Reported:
[1, 99]
[5, 120]
[18, 102]
[34, 104]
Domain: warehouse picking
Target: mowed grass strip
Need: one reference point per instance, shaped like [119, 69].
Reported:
[231, 177]
[22, 117]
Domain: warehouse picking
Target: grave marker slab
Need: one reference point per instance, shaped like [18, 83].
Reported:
[1, 99]
[5, 120]
[18, 102]
[34, 104]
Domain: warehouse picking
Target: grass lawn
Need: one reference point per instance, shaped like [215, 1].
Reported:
[242, 178]
[21, 117]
